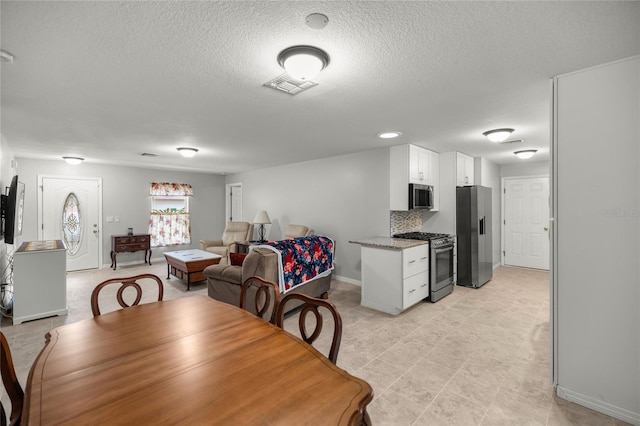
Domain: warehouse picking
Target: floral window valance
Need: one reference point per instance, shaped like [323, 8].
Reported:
[168, 188]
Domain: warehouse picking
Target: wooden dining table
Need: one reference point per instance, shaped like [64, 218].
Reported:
[192, 361]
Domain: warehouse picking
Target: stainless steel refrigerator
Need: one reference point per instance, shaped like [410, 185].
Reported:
[474, 235]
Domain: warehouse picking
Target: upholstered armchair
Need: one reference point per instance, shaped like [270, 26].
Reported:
[295, 231]
[234, 232]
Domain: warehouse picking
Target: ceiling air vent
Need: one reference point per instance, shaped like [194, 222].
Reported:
[512, 141]
[287, 84]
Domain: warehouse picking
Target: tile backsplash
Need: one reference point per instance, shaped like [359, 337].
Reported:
[405, 221]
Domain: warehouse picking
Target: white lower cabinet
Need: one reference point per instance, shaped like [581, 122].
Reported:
[394, 280]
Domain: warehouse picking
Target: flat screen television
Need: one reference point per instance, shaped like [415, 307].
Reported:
[12, 207]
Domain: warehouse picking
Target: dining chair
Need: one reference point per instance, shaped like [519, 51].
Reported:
[315, 306]
[265, 295]
[129, 282]
[11, 385]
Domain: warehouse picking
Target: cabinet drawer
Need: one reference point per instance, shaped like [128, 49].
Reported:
[415, 260]
[131, 247]
[415, 289]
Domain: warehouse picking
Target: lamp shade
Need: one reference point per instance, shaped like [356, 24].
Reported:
[261, 218]
[498, 135]
[303, 62]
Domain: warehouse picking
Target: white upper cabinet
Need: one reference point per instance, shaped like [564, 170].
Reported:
[412, 164]
[419, 165]
[464, 169]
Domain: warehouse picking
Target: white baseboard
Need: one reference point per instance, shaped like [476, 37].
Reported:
[347, 280]
[598, 405]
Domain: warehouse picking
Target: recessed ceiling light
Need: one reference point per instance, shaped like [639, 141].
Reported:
[389, 135]
[498, 135]
[187, 152]
[525, 153]
[73, 160]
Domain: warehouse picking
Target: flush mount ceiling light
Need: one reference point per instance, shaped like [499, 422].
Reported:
[303, 62]
[187, 152]
[73, 160]
[526, 153]
[389, 135]
[498, 135]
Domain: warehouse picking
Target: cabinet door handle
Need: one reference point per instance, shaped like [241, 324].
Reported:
[423, 285]
[412, 290]
[424, 258]
[412, 261]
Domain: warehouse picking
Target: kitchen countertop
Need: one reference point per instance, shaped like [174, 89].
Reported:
[389, 243]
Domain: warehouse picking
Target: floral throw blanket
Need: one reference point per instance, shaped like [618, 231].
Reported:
[302, 259]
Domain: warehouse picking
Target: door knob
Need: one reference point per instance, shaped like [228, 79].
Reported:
[546, 228]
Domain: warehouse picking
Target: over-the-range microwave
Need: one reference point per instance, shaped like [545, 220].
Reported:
[420, 196]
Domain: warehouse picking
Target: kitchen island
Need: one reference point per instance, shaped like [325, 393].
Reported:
[395, 273]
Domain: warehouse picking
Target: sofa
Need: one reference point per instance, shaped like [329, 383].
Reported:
[224, 281]
[233, 233]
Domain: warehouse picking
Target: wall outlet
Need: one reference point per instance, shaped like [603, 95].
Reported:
[109, 219]
[117, 219]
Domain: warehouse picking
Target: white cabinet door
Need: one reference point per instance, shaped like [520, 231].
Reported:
[415, 289]
[419, 165]
[464, 169]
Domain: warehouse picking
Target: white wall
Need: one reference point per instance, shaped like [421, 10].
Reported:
[126, 194]
[344, 197]
[525, 168]
[596, 275]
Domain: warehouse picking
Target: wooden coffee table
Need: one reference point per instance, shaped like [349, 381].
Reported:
[190, 263]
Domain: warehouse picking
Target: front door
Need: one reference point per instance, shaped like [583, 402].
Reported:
[526, 225]
[70, 211]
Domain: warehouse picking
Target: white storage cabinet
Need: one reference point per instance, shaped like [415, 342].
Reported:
[394, 280]
[412, 164]
[464, 169]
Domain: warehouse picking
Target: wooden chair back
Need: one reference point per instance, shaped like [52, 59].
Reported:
[311, 305]
[265, 296]
[11, 384]
[129, 282]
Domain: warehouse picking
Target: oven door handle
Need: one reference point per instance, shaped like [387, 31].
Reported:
[442, 250]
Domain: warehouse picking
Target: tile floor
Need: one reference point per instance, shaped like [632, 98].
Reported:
[476, 357]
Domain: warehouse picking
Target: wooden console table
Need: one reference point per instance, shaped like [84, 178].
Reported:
[130, 243]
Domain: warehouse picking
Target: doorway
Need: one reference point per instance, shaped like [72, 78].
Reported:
[234, 202]
[70, 210]
[525, 230]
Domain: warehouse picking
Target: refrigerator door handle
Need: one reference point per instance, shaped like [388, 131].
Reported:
[482, 225]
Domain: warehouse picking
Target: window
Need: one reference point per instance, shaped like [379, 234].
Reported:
[170, 222]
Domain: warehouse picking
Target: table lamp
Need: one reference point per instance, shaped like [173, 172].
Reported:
[261, 219]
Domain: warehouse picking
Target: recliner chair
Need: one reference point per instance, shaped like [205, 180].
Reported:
[234, 232]
[294, 231]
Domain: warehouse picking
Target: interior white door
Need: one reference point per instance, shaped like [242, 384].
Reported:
[79, 228]
[526, 225]
[235, 202]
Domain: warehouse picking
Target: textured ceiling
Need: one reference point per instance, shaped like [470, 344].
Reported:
[108, 81]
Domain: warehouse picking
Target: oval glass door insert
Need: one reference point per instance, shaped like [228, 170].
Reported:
[72, 223]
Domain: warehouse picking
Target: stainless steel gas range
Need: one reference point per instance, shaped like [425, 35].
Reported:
[441, 267]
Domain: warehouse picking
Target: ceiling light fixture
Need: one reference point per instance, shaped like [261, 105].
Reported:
[303, 62]
[526, 153]
[498, 135]
[389, 135]
[187, 152]
[73, 160]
